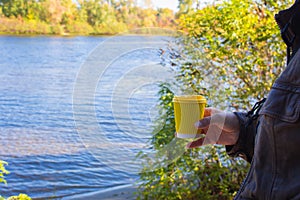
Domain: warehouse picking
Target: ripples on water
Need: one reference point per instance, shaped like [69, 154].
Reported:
[39, 140]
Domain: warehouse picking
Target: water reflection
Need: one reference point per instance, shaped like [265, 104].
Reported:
[31, 142]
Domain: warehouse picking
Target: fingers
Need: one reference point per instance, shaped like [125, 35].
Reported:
[203, 123]
[214, 121]
[209, 111]
[212, 126]
[195, 144]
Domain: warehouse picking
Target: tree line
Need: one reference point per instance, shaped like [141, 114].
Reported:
[80, 17]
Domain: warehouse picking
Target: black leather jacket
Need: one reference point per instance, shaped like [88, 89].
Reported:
[272, 142]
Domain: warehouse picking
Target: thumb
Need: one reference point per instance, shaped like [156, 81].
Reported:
[203, 123]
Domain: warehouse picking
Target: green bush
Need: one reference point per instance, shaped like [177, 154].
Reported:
[3, 171]
[203, 173]
[19, 197]
[82, 28]
[231, 53]
[19, 26]
[110, 28]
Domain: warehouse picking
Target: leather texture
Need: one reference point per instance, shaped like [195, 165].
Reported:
[272, 143]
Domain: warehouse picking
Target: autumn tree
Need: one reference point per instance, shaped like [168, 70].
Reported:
[86, 16]
[165, 17]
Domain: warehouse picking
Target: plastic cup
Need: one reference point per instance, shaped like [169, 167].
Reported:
[187, 111]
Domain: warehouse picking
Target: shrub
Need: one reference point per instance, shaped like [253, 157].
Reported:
[3, 171]
[203, 173]
[231, 53]
[82, 28]
[18, 26]
[19, 197]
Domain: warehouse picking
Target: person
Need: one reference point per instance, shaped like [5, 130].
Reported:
[269, 135]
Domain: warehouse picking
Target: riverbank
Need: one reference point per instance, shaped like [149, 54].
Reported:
[126, 192]
[19, 27]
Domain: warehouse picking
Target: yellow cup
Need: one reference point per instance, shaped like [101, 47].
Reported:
[187, 111]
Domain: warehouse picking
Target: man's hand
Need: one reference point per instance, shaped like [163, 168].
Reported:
[219, 127]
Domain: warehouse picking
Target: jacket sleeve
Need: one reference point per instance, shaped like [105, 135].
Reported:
[244, 147]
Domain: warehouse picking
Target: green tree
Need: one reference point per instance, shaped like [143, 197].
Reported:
[77, 17]
[70, 12]
[94, 11]
[186, 6]
[232, 52]
[125, 10]
[34, 10]
[14, 8]
[147, 17]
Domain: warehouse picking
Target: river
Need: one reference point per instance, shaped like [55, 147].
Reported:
[74, 111]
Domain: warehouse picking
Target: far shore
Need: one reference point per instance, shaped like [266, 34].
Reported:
[78, 35]
[16, 27]
[53, 35]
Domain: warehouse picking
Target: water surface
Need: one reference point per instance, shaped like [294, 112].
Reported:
[47, 155]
